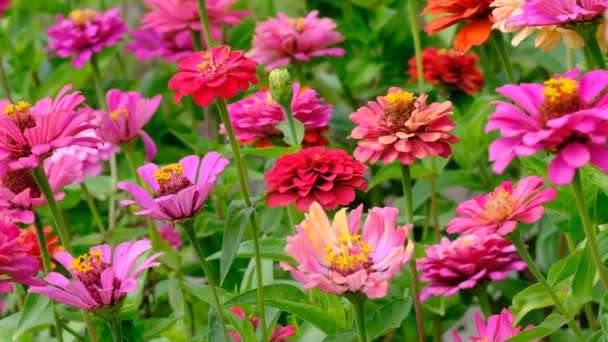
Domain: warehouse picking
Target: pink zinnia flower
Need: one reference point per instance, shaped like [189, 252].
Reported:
[401, 126]
[31, 133]
[339, 258]
[215, 72]
[171, 235]
[101, 278]
[462, 264]
[499, 211]
[179, 193]
[85, 32]
[4, 4]
[499, 328]
[278, 41]
[256, 117]
[557, 12]
[279, 334]
[149, 44]
[565, 116]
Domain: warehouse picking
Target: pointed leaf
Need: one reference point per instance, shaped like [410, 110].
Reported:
[271, 248]
[236, 222]
[546, 328]
[289, 138]
[37, 312]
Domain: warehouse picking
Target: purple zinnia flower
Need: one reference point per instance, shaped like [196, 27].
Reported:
[172, 46]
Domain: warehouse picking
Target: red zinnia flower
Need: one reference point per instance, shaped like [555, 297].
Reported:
[28, 237]
[215, 72]
[328, 177]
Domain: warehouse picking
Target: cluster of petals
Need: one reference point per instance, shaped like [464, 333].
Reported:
[255, 118]
[100, 278]
[278, 41]
[557, 12]
[401, 126]
[171, 235]
[85, 32]
[279, 333]
[4, 5]
[328, 177]
[28, 237]
[498, 329]
[341, 258]
[215, 72]
[179, 194]
[450, 69]
[565, 116]
[128, 112]
[468, 261]
[149, 44]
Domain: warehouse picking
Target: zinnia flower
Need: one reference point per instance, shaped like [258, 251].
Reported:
[565, 116]
[32, 133]
[85, 32]
[215, 72]
[328, 177]
[279, 334]
[149, 44]
[499, 211]
[255, 118]
[101, 278]
[171, 235]
[499, 328]
[339, 258]
[449, 69]
[401, 126]
[4, 4]
[466, 262]
[127, 114]
[179, 193]
[557, 12]
[28, 237]
[278, 41]
[477, 12]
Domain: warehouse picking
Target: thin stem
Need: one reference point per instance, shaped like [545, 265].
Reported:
[481, 292]
[437, 328]
[196, 40]
[501, 49]
[595, 53]
[291, 215]
[358, 302]
[91, 203]
[298, 69]
[97, 82]
[569, 59]
[290, 121]
[191, 234]
[90, 328]
[115, 325]
[415, 29]
[112, 196]
[205, 23]
[434, 209]
[5, 86]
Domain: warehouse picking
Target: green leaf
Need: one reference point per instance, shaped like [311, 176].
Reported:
[271, 248]
[214, 332]
[546, 328]
[532, 298]
[37, 312]
[290, 138]
[154, 327]
[242, 326]
[564, 268]
[269, 152]
[203, 292]
[582, 283]
[236, 222]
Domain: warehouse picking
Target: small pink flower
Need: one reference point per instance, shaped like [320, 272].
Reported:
[338, 257]
[101, 278]
[179, 193]
[4, 4]
[281, 40]
[171, 235]
[499, 328]
[279, 334]
[148, 44]
[499, 211]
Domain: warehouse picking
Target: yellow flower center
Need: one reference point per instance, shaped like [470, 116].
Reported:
[349, 254]
[500, 205]
[298, 24]
[87, 262]
[209, 65]
[118, 112]
[21, 106]
[83, 16]
[560, 97]
[166, 173]
[20, 114]
[400, 107]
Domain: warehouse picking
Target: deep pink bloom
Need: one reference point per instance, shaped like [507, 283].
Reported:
[338, 257]
[215, 72]
[171, 235]
[278, 41]
[557, 12]
[127, 114]
[101, 278]
[4, 4]
[279, 334]
[149, 44]
[451, 266]
[499, 211]
[179, 193]
[401, 126]
[565, 116]
[499, 328]
[31, 133]
[85, 32]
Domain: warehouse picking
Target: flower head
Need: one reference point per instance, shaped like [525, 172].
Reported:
[466, 262]
[401, 126]
[101, 278]
[556, 12]
[328, 177]
[171, 235]
[499, 211]
[499, 328]
[215, 72]
[179, 193]
[28, 237]
[564, 116]
[149, 44]
[279, 334]
[341, 258]
[85, 32]
[4, 4]
[278, 41]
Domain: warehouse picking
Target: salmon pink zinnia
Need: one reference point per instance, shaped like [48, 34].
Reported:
[499, 328]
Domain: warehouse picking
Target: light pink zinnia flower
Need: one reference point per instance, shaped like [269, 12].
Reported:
[339, 257]
[127, 114]
[499, 211]
[556, 12]
[278, 41]
[85, 32]
[565, 116]
[401, 126]
[499, 328]
[279, 334]
[171, 235]
[100, 278]
[461, 264]
[149, 44]
[179, 193]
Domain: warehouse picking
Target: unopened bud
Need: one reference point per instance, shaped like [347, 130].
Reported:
[281, 87]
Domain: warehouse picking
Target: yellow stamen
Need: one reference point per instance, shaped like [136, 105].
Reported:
[83, 16]
[116, 114]
[400, 99]
[556, 89]
[85, 262]
[165, 173]
[20, 106]
[348, 253]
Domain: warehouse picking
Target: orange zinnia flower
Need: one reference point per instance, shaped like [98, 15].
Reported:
[28, 237]
[477, 12]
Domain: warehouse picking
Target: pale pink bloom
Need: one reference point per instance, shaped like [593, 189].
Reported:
[171, 235]
[499, 328]
[100, 278]
[148, 44]
[279, 333]
[499, 211]
[341, 258]
[278, 41]
[557, 12]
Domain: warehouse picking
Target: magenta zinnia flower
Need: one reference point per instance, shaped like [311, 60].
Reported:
[171, 235]
[179, 193]
[499, 328]
[101, 278]
[149, 44]
[281, 40]
[85, 32]
[279, 333]
[499, 211]
[4, 4]
[557, 12]
[339, 258]
[462, 264]
[127, 114]
[565, 116]
[401, 126]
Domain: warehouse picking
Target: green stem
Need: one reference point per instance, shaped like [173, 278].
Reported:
[501, 49]
[90, 328]
[291, 215]
[91, 203]
[298, 69]
[407, 194]
[587, 307]
[290, 121]
[97, 83]
[588, 228]
[437, 328]
[415, 29]
[481, 292]
[112, 197]
[358, 302]
[5, 86]
[191, 234]
[594, 52]
[569, 59]
[115, 325]
[434, 209]
[196, 40]
[205, 23]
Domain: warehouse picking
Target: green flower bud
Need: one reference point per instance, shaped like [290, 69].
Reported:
[281, 87]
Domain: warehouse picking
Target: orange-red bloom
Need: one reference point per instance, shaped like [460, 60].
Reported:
[28, 237]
